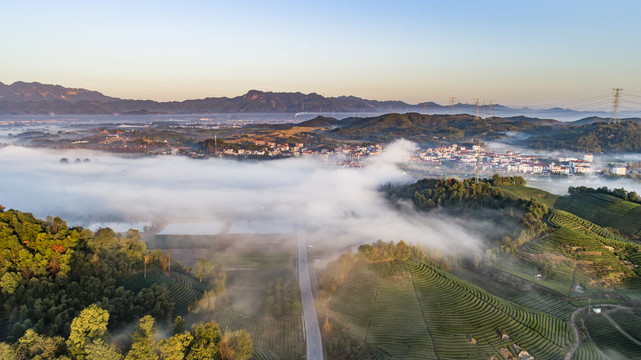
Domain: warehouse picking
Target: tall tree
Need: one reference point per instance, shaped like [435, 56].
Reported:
[242, 345]
[175, 347]
[205, 343]
[143, 344]
[88, 327]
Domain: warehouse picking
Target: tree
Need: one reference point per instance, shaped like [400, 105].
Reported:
[179, 325]
[89, 326]
[142, 346]
[175, 347]
[224, 347]
[203, 269]
[242, 345]
[34, 346]
[9, 282]
[99, 350]
[7, 352]
[205, 343]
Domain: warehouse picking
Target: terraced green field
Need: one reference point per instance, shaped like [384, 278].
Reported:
[432, 314]
[630, 322]
[282, 336]
[607, 338]
[560, 218]
[605, 258]
[604, 210]
[527, 271]
[544, 303]
[263, 354]
[527, 193]
[183, 289]
[588, 351]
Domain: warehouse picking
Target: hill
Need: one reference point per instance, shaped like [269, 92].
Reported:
[411, 310]
[320, 121]
[35, 92]
[608, 208]
[597, 119]
[591, 137]
[427, 128]
[50, 272]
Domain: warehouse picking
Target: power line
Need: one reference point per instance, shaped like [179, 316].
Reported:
[588, 99]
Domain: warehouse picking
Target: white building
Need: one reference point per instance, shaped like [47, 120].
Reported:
[617, 170]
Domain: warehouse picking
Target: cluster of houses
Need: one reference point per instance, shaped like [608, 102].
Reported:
[351, 152]
[508, 162]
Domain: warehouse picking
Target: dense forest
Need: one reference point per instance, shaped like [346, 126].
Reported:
[597, 137]
[521, 220]
[50, 274]
[428, 128]
[89, 339]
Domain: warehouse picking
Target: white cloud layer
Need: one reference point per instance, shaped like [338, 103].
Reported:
[338, 205]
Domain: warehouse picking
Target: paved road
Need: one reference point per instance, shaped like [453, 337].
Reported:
[312, 330]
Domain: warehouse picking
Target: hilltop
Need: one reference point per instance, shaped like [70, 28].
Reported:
[36, 92]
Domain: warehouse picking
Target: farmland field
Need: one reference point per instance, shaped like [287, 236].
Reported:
[604, 210]
[526, 193]
[432, 314]
[603, 259]
[282, 337]
[608, 339]
[250, 261]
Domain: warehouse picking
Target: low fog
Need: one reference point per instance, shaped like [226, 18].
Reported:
[338, 206]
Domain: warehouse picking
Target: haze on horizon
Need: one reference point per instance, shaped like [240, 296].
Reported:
[515, 53]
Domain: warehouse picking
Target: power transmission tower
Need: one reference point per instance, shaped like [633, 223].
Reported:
[616, 116]
[490, 109]
[452, 105]
[476, 116]
[484, 110]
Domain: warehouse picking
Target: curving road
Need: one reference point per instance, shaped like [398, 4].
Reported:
[312, 329]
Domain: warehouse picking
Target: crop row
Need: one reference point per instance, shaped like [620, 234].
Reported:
[544, 303]
[605, 210]
[454, 308]
[610, 340]
[586, 206]
[371, 353]
[587, 351]
[283, 336]
[560, 218]
[630, 322]
[354, 300]
[396, 324]
[263, 354]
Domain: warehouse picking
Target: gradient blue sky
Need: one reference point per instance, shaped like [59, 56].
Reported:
[513, 52]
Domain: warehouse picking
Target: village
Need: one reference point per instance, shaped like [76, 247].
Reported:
[473, 156]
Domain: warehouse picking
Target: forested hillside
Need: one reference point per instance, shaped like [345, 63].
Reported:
[63, 288]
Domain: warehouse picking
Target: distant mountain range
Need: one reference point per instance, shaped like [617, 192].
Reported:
[36, 98]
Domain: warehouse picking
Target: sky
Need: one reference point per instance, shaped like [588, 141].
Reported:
[511, 52]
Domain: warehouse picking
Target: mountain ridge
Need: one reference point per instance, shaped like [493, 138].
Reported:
[37, 98]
